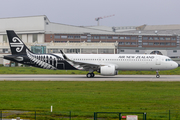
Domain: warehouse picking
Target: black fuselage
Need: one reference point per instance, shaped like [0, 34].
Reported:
[48, 61]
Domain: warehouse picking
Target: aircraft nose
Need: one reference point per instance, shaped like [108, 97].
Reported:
[174, 65]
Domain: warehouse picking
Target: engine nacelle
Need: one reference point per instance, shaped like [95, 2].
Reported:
[108, 70]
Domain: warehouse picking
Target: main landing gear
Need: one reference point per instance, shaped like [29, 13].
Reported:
[90, 75]
[157, 74]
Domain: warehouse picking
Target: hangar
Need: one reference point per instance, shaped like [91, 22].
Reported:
[43, 36]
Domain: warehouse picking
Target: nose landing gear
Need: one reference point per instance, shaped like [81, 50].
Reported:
[157, 74]
[90, 75]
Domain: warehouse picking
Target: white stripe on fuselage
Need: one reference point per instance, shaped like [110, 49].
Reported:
[126, 61]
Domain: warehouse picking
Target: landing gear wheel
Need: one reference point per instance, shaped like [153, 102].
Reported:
[90, 75]
[157, 76]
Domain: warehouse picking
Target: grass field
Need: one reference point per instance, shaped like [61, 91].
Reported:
[33, 70]
[84, 98]
[89, 97]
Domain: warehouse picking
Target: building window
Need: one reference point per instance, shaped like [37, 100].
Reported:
[173, 38]
[156, 43]
[72, 50]
[137, 51]
[5, 38]
[88, 38]
[121, 50]
[156, 52]
[156, 38]
[102, 37]
[60, 41]
[168, 38]
[96, 37]
[168, 44]
[5, 50]
[74, 41]
[127, 38]
[110, 41]
[127, 43]
[115, 37]
[162, 44]
[151, 43]
[57, 36]
[121, 43]
[83, 37]
[161, 38]
[64, 37]
[55, 50]
[145, 38]
[174, 51]
[70, 37]
[173, 44]
[88, 51]
[105, 51]
[150, 38]
[133, 38]
[109, 37]
[77, 37]
[122, 38]
[145, 43]
[34, 37]
[133, 43]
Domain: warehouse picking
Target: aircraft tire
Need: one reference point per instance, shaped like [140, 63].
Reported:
[92, 75]
[88, 75]
[157, 76]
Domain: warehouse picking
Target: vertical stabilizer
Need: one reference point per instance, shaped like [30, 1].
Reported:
[16, 44]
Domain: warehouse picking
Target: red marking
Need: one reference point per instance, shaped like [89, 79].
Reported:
[124, 117]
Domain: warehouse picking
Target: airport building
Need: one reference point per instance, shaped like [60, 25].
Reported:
[43, 36]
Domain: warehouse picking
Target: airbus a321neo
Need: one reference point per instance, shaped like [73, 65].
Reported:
[105, 64]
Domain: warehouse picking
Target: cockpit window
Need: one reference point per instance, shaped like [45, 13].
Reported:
[168, 59]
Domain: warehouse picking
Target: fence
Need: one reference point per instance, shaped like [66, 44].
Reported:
[141, 115]
[75, 115]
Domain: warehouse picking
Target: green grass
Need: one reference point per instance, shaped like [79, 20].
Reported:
[84, 98]
[33, 70]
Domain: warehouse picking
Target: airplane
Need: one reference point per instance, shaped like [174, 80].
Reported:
[105, 64]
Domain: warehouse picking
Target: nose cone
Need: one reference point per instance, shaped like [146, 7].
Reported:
[174, 65]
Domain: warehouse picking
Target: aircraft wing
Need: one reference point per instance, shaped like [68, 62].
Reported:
[81, 65]
[87, 65]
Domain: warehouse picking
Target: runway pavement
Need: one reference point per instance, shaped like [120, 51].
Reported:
[84, 78]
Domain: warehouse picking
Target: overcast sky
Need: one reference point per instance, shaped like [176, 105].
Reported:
[84, 12]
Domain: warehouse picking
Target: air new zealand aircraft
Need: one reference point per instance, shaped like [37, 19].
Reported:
[105, 64]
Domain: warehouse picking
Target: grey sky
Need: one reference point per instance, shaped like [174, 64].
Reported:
[84, 12]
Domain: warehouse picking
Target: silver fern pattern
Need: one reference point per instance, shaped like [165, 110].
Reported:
[45, 61]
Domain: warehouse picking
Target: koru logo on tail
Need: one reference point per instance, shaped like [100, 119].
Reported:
[17, 43]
